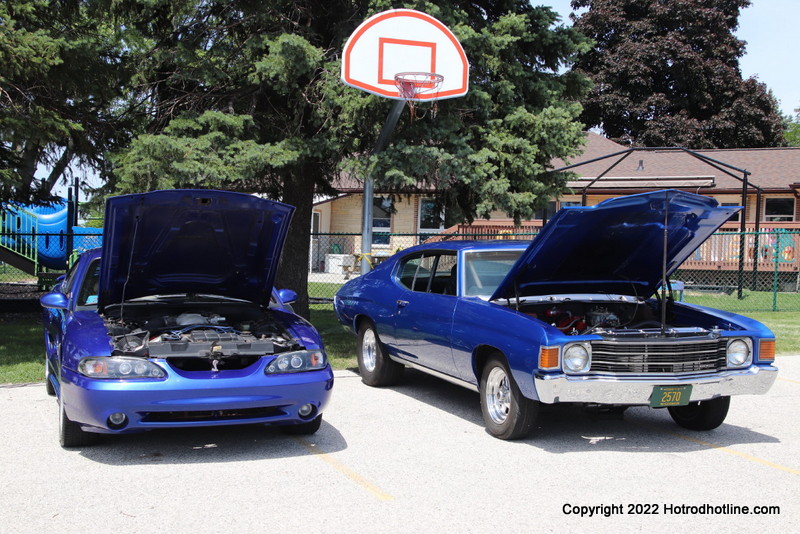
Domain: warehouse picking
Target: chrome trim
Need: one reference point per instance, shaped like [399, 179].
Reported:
[437, 374]
[755, 380]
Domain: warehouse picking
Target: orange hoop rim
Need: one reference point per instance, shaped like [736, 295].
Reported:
[411, 84]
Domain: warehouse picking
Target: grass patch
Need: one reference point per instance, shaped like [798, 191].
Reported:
[340, 345]
[751, 301]
[21, 349]
[785, 326]
[322, 289]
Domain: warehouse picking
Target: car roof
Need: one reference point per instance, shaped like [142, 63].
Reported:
[457, 245]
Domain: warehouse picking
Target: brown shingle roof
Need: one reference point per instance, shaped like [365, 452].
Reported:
[773, 169]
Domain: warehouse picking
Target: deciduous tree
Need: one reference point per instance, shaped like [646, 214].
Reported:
[666, 73]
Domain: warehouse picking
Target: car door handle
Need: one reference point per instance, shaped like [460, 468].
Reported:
[402, 303]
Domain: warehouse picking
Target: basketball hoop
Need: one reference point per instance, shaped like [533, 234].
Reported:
[416, 87]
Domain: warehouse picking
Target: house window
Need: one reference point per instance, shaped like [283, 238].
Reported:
[315, 216]
[381, 220]
[431, 219]
[547, 213]
[779, 209]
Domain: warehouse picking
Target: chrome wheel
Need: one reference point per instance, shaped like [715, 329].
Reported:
[368, 349]
[498, 396]
[374, 365]
[507, 413]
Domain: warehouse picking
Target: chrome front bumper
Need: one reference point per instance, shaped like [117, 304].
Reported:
[637, 390]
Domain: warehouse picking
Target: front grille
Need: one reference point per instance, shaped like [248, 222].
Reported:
[673, 356]
[211, 415]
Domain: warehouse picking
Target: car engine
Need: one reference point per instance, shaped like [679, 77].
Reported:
[199, 340]
[577, 317]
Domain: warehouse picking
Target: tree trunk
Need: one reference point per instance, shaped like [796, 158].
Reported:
[293, 269]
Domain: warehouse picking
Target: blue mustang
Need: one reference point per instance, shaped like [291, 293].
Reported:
[580, 314]
[175, 322]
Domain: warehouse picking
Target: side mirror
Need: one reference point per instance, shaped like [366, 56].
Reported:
[287, 296]
[54, 300]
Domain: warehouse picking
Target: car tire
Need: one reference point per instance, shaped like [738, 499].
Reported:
[70, 433]
[48, 386]
[507, 413]
[374, 365]
[303, 429]
[702, 415]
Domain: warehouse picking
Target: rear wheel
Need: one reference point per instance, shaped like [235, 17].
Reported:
[303, 429]
[70, 433]
[702, 415]
[507, 413]
[374, 365]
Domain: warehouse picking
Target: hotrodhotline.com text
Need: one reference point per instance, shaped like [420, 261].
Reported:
[607, 510]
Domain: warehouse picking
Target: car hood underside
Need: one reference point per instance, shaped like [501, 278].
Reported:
[191, 241]
[615, 247]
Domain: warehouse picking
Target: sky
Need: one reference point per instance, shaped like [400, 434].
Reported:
[770, 55]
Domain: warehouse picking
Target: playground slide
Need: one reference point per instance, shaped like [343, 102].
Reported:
[41, 231]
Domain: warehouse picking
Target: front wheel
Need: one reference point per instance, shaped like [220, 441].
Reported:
[374, 365]
[303, 429]
[70, 433]
[507, 413]
[702, 415]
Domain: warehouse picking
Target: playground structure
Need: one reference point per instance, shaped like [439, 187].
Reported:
[40, 239]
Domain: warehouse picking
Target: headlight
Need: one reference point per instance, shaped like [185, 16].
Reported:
[119, 367]
[297, 362]
[577, 358]
[739, 351]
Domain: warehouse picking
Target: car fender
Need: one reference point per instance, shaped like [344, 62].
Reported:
[480, 327]
[84, 335]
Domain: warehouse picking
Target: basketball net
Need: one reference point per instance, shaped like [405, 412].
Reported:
[412, 84]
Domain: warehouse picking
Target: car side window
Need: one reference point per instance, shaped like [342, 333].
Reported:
[429, 272]
[66, 285]
[87, 296]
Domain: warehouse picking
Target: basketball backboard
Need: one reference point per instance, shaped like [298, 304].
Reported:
[404, 41]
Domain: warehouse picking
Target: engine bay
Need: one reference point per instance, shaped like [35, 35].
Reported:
[611, 318]
[199, 337]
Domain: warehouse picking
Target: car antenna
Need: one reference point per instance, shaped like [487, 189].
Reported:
[664, 267]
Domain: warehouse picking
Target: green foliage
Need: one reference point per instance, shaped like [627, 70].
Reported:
[62, 70]
[246, 95]
[667, 74]
[792, 132]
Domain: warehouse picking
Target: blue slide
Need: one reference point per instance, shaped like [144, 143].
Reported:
[47, 225]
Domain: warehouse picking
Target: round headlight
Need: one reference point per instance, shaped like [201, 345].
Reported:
[576, 359]
[738, 353]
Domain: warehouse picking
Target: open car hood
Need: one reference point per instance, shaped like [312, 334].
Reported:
[191, 241]
[615, 247]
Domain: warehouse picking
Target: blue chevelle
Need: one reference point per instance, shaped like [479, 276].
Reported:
[175, 322]
[580, 314]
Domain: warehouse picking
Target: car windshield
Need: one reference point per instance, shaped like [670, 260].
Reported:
[485, 269]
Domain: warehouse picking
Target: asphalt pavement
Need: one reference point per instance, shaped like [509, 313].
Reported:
[412, 458]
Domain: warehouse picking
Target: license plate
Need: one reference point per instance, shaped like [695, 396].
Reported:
[670, 396]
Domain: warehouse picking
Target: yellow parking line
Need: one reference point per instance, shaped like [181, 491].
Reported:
[730, 451]
[789, 380]
[346, 471]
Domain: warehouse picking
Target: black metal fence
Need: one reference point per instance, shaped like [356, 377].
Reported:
[765, 278]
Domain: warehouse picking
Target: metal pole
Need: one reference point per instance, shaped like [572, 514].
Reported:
[757, 235]
[742, 230]
[369, 186]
